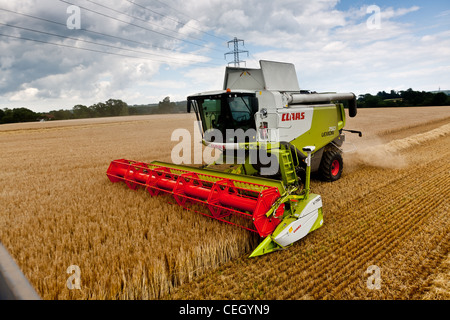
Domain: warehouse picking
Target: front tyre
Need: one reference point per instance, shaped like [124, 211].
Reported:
[331, 166]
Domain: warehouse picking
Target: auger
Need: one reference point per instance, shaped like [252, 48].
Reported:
[272, 136]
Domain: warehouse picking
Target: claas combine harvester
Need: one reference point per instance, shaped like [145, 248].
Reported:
[261, 182]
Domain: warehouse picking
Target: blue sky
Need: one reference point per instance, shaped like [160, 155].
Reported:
[141, 51]
[432, 16]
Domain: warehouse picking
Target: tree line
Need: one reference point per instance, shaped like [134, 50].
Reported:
[406, 98]
[114, 107]
[110, 108]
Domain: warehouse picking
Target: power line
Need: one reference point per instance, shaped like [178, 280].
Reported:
[88, 49]
[106, 35]
[142, 20]
[182, 23]
[138, 26]
[100, 44]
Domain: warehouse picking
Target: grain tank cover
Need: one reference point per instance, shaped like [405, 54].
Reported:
[279, 76]
[275, 76]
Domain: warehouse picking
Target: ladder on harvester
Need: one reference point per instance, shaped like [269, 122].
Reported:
[287, 167]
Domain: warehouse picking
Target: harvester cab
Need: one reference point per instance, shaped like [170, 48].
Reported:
[272, 136]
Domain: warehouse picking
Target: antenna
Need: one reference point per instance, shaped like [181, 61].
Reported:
[236, 51]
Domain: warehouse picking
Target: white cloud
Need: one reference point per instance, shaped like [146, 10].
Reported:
[390, 12]
[206, 79]
[443, 14]
[25, 95]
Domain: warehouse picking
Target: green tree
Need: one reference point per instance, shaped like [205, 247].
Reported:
[439, 99]
[117, 107]
[62, 114]
[18, 115]
[371, 101]
[81, 112]
[166, 106]
[99, 110]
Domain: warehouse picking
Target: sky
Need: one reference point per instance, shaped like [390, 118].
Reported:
[55, 54]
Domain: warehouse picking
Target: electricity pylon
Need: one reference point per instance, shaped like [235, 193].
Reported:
[236, 52]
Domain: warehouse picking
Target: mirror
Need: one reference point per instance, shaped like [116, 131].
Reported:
[254, 104]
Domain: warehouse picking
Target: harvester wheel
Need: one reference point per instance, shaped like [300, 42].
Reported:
[331, 166]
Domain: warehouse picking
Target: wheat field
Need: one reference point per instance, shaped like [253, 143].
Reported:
[390, 209]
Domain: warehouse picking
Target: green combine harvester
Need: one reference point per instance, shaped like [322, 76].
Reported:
[272, 136]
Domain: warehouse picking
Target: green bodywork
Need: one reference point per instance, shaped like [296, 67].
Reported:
[324, 118]
[269, 244]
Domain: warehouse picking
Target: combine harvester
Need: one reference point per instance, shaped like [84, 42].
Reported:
[264, 185]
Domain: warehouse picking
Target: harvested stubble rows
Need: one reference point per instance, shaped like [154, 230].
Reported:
[58, 209]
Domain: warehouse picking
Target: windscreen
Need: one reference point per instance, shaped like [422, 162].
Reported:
[227, 111]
